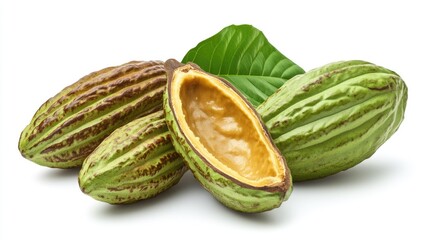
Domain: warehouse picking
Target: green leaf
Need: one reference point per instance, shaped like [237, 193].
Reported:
[243, 56]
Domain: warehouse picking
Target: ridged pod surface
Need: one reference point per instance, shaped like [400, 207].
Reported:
[332, 118]
[70, 125]
[223, 141]
[137, 161]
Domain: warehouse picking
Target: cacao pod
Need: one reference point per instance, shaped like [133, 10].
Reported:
[223, 141]
[137, 161]
[332, 118]
[70, 125]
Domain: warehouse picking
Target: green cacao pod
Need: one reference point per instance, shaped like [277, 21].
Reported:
[137, 161]
[223, 141]
[70, 125]
[332, 118]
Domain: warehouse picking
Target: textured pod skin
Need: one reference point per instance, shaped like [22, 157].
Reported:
[70, 125]
[137, 161]
[233, 194]
[332, 118]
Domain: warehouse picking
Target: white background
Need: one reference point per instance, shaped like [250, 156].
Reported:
[47, 45]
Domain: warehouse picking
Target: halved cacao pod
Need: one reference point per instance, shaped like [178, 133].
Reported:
[223, 141]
